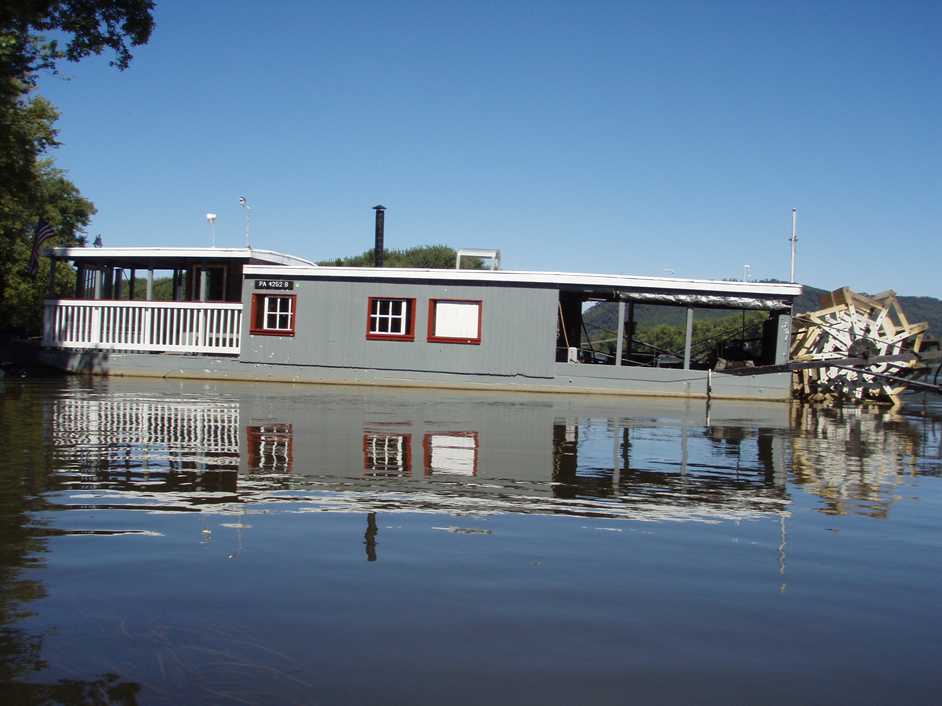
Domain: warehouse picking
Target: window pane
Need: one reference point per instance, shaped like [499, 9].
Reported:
[390, 317]
[273, 313]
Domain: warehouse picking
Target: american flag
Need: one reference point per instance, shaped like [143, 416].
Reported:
[41, 234]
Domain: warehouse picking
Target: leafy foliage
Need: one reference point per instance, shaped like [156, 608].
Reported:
[708, 333]
[31, 188]
[58, 201]
[423, 256]
[90, 27]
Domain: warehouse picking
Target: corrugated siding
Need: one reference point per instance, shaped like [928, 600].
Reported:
[518, 330]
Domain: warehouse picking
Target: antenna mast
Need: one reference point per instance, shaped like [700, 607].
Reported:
[794, 240]
[243, 202]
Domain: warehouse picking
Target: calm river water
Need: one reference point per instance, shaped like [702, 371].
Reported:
[183, 543]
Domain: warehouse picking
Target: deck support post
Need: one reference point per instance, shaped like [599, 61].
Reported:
[620, 332]
[688, 338]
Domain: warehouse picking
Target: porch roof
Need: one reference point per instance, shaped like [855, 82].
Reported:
[150, 256]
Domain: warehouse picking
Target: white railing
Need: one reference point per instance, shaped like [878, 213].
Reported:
[124, 430]
[184, 327]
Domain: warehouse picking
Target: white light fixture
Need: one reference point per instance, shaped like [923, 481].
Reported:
[211, 219]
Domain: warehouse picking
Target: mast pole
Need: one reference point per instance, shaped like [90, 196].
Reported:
[794, 240]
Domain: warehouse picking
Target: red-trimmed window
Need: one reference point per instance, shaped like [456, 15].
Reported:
[273, 314]
[454, 321]
[390, 319]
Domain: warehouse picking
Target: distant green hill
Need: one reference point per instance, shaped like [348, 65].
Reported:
[917, 309]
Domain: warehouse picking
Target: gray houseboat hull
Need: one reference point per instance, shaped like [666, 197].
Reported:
[564, 377]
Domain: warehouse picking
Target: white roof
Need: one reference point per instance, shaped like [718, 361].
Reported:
[594, 281]
[270, 257]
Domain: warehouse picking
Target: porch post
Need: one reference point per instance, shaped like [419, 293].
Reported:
[688, 339]
[99, 275]
[204, 283]
[50, 287]
[131, 282]
[783, 339]
[79, 282]
[116, 277]
[620, 332]
[149, 335]
[631, 327]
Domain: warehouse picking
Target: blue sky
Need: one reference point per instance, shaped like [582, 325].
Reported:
[581, 136]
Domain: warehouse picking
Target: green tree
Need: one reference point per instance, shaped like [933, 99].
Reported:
[708, 334]
[30, 187]
[438, 257]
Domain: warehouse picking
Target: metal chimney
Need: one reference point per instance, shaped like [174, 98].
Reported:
[378, 243]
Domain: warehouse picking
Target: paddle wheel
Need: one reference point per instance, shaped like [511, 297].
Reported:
[874, 347]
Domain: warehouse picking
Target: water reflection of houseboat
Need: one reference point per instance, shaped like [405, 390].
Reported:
[474, 452]
[480, 452]
[258, 315]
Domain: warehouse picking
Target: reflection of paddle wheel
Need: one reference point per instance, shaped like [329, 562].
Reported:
[856, 326]
[854, 459]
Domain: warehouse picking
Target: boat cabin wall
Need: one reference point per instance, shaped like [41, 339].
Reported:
[332, 321]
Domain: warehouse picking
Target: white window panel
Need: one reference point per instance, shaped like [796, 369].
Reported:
[457, 319]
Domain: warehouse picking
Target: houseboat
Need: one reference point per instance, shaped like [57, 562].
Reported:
[256, 315]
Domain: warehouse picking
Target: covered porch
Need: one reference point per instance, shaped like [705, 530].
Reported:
[174, 300]
[692, 325]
